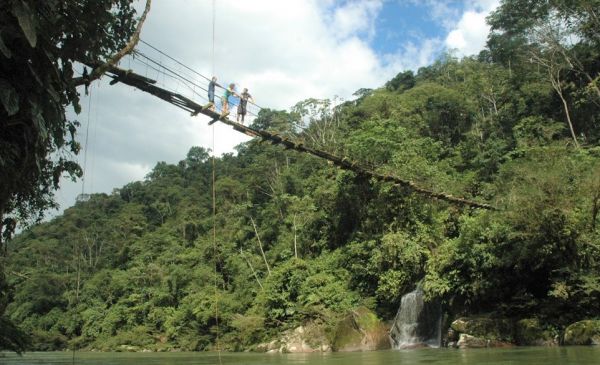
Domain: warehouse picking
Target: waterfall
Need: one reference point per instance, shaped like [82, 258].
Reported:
[417, 323]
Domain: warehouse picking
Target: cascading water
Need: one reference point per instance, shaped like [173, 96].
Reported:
[417, 323]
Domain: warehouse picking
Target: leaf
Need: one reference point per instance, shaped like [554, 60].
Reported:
[38, 121]
[26, 21]
[35, 75]
[9, 97]
[4, 49]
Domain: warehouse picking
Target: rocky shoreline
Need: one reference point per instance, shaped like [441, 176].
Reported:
[362, 330]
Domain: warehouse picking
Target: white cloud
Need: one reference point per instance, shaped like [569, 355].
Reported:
[469, 35]
[412, 56]
[283, 51]
[355, 17]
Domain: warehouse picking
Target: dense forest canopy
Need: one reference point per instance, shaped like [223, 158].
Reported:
[299, 241]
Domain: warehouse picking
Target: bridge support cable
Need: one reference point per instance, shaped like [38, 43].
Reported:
[147, 85]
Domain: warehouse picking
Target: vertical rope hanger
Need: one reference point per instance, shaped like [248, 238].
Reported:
[214, 16]
[98, 103]
[85, 147]
[214, 196]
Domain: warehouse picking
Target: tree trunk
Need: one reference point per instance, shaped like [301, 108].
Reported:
[568, 114]
[251, 268]
[595, 205]
[295, 238]
[556, 84]
[260, 246]
[2, 249]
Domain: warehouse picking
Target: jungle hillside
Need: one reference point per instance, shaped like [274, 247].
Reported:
[288, 239]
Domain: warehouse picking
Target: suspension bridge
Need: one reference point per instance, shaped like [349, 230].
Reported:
[172, 81]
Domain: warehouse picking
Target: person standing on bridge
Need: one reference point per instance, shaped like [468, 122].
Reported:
[241, 110]
[230, 91]
[211, 93]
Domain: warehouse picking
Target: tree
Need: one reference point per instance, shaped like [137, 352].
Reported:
[402, 82]
[562, 38]
[39, 44]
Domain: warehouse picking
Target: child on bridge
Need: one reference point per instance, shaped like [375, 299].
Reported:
[230, 91]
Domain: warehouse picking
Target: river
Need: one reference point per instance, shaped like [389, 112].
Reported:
[513, 356]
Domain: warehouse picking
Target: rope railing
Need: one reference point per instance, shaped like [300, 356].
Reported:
[188, 74]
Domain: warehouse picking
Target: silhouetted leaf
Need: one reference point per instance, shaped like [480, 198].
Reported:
[26, 21]
[9, 97]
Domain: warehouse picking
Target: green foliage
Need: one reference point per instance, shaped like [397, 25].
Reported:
[298, 242]
[299, 290]
[402, 82]
[533, 257]
[39, 42]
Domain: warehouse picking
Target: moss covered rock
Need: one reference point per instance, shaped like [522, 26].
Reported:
[500, 329]
[529, 332]
[583, 333]
[361, 330]
[303, 339]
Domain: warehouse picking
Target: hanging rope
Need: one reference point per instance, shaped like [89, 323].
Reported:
[189, 68]
[214, 199]
[216, 252]
[97, 102]
[85, 146]
[214, 17]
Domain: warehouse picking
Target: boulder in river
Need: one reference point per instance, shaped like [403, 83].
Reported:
[583, 333]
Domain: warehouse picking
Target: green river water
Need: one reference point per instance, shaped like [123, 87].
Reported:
[520, 355]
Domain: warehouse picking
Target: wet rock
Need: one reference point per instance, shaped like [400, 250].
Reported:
[498, 329]
[467, 341]
[452, 335]
[583, 333]
[303, 339]
[361, 330]
[127, 348]
[529, 332]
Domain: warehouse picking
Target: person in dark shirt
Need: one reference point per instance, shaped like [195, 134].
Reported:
[241, 110]
[211, 94]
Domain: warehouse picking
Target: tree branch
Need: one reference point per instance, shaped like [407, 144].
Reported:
[135, 38]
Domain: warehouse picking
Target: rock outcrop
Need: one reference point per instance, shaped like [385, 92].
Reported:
[361, 330]
[476, 332]
[529, 332]
[583, 333]
[303, 339]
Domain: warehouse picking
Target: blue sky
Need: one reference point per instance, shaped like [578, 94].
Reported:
[400, 22]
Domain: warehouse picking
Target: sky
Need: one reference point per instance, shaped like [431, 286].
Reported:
[282, 51]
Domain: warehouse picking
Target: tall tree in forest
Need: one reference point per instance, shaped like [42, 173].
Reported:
[559, 36]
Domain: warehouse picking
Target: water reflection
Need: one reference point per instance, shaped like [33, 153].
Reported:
[514, 356]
